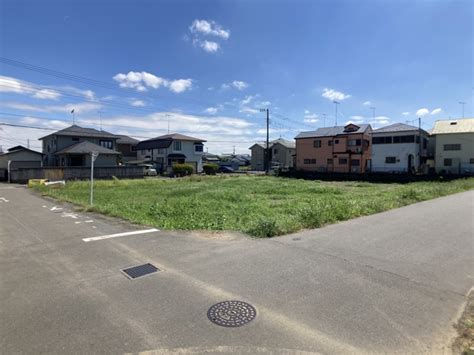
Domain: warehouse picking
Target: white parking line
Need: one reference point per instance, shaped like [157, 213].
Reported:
[108, 236]
[4, 199]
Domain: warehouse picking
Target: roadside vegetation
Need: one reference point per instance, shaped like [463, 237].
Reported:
[261, 206]
[464, 343]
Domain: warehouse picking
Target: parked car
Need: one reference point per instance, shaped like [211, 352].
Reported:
[226, 169]
[150, 170]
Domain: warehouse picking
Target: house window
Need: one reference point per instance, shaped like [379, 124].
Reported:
[425, 143]
[329, 143]
[390, 160]
[336, 141]
[177, 145]
[75, 139]
[329, 161]
[404, 139]
[133, 148]
[452, 147]
[317, 144]
[342, 161]
[471, 161]
[354, 142]
[309, 161]
[199, 148]
[160, 151]
[382, 140]
[355, 162]
[448, 162]
[106, 144]
[275, 151]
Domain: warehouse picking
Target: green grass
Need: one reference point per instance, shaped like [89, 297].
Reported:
[258, 205]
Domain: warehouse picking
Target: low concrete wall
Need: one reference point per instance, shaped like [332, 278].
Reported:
[22, 175]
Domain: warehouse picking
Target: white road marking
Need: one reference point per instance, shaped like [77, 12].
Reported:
[108, 236]
[4, 199]
[44, 206]
[54, 208]
[69, 214]
[89, 221]
[94, 227]
[77, 222]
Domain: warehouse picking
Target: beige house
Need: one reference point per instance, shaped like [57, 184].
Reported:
[454, 147]
[281, 153]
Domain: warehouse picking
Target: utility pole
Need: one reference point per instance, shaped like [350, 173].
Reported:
[267, 152]
[234, 150]
[462, 103]
[336, 103]
[373, 112]
[100, 119]
[419, 145]
[168, 118]
[94, 156]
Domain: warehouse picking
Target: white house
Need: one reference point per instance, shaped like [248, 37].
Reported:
[170, 149]
[454, 150]
[399, 148]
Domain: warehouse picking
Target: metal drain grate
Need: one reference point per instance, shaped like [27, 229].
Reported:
[140, 270]
[231, 313]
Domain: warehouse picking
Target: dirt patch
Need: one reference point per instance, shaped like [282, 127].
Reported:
[464, 343]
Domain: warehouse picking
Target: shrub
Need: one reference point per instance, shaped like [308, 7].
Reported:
[210, 169]
[182, 169]
[264, 228]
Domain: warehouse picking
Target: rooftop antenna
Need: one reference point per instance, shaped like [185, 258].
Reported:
[336, 103]
[168, 117]
[324, 120]
[73, 117]
[373, 112]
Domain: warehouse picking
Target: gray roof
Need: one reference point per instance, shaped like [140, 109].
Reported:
[86, 148]
[284, 142]
[396, 127]
[123, 139]
[165, 141]
[19, 148]
[332, 131]
[78, 131]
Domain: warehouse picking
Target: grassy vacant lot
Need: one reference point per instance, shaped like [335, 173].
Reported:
[258, 205]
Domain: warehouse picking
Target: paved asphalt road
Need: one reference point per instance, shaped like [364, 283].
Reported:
[387, 283]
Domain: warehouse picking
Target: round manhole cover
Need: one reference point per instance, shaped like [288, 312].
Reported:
[231, 313]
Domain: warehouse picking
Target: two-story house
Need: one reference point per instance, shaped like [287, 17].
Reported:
[399, 148]
[165, 151]
[281, 153]
[454, 146]
[341, 149]
[127, 146]
[72, 146]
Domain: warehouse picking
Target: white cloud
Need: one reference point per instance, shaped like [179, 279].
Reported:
[209, 46]
[240, 85]
[209, 28]
[17, 86]
[138, 103]
[436, 111]
[211, 110]
[142, 81]
[178, 86]
[249, 110]
[307, 112]
[356, 119]
[406, 113]
[247, 100]
[332, 95]
[422, 112]
[367, 103]
[380, 120]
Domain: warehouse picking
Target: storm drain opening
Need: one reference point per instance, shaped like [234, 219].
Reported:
[140, 270]
[231, 313]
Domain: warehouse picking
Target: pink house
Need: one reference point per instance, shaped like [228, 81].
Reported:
[341, 149]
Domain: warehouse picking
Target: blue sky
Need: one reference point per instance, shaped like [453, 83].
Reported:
[207, 67]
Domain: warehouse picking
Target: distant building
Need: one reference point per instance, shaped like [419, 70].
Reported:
[399, 148]
[170, 149]
[454, 149]
[19, 157]
[127, 146]
[281, 154]
[340, 149]
[72, 146]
